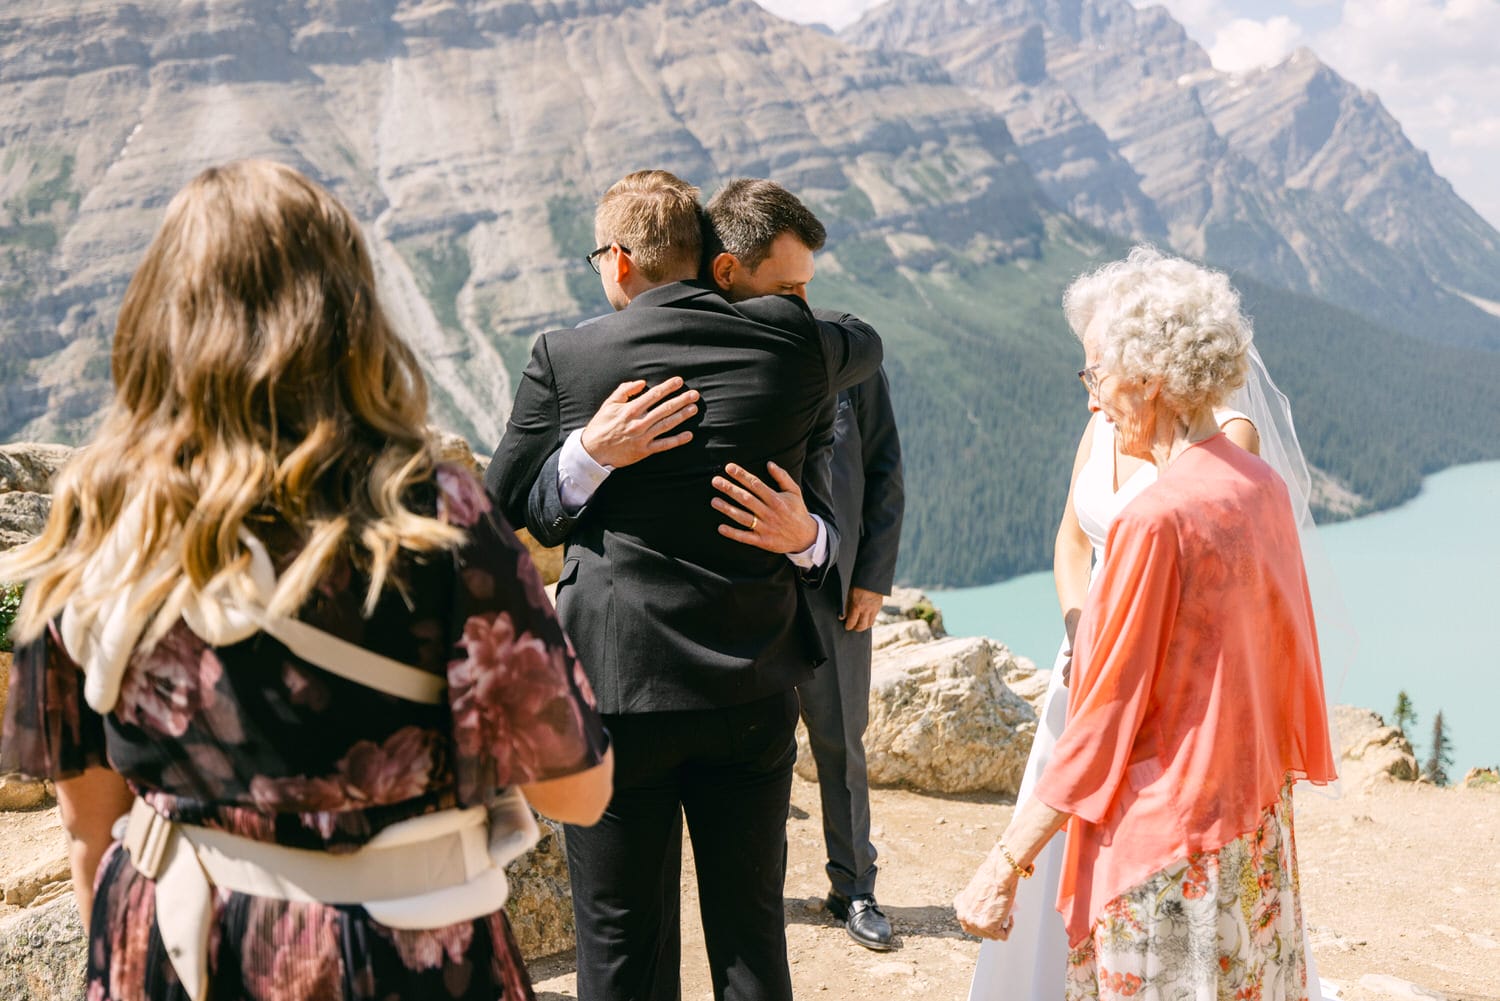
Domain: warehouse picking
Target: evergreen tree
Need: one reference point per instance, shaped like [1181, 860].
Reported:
[1442, 753]
[1405, 716]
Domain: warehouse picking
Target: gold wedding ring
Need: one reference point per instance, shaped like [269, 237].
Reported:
[754, 520]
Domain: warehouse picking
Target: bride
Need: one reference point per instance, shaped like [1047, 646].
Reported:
[1031, 964]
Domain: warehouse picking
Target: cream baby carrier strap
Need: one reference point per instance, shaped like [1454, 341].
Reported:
[426, 872]
[355, 663]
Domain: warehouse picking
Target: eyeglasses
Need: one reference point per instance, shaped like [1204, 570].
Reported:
[598, 252]
[1090, 377]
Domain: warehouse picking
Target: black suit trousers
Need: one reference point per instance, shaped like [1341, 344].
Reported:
[836, 709]
[729, 772]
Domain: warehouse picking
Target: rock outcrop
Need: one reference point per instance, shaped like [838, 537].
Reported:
[43, 952]
[29, 468]
[1369, 751]
[541, 904]
[942, 717]
[1482, 778]
[26, 472]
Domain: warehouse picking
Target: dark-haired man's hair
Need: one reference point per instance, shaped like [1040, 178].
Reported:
[749, 213]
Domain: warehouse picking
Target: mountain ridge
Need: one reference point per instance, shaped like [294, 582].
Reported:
[472, 138]
[1361, 220]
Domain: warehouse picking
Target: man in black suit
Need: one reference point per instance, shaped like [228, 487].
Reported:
[693, 629]
[767, 238]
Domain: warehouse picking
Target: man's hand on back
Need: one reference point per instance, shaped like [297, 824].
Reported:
[625, 430]
[774, 520]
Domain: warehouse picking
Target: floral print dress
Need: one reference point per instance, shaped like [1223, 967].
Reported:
[249, 739]
[1224, 924]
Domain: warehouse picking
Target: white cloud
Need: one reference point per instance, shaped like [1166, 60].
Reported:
[1243, 44]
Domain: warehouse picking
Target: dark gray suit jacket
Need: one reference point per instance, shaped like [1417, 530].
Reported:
[869, 495]
[665, 612]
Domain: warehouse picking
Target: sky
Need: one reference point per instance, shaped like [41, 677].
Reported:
[1435, 64]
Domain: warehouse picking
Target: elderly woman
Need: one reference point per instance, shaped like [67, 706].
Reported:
[1196, 691]
[298, 649]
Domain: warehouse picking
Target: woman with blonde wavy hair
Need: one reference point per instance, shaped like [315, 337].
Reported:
[302, 654]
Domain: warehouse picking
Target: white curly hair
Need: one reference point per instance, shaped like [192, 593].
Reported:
[1167, 319]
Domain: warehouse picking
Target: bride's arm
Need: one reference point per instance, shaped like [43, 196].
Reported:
[1072, 552]
[1242, 432]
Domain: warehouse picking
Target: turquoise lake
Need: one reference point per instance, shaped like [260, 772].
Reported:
[1420, 596]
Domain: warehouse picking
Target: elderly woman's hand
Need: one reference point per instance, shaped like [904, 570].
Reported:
[983, 907]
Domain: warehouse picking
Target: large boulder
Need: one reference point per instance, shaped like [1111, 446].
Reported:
[22, 794]
[23, 515]
[29, 468]
[541, 904]
[1369, 751]
[42, 953]
[943, 716]
[943, 720]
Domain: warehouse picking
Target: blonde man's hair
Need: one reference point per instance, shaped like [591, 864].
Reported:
[1166, 319]
[657, 216]
[256, 381]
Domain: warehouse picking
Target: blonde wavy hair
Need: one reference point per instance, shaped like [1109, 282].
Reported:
[1166, 319]
[255, 377]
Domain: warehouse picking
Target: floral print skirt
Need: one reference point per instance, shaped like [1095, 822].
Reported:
[273, 950]
[1224, 924]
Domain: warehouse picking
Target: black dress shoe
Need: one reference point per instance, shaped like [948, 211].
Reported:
[863, 919]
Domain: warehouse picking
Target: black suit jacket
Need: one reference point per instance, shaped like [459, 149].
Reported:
[869, 495]
[665, 612]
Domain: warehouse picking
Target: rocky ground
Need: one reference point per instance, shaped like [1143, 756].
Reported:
[1401, 885]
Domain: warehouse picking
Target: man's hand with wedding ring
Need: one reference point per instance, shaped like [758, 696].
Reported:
[774, 520]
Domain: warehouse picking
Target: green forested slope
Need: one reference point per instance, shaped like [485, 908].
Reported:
[982, 370]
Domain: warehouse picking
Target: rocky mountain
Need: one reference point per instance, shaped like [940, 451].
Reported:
[472, 137]
[1290, 173]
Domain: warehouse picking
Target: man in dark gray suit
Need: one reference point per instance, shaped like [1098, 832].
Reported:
[766, 242]
[693, 629]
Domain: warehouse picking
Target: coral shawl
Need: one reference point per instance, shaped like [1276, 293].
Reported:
[1196, 687]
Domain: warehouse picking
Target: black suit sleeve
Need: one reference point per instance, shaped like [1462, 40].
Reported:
[817, 489]
[548, 521]
[851, 349]
[885, 491]
[532, 435]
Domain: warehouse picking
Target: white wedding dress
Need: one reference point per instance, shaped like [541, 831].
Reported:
[1031, 964]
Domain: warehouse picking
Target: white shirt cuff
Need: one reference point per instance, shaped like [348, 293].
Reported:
[578, 475]
[814, 554]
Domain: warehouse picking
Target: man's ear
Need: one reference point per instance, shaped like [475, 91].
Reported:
[624, 267]
[723, 268]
